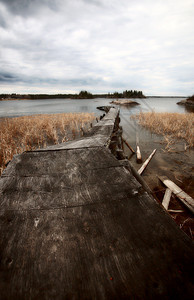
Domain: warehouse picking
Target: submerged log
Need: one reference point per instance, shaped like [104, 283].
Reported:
[187, 200]
[166, 199]
[140, 171]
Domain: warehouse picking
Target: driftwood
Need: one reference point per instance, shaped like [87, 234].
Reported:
[184, 197]
[140, 171]
[127, 144]
[166, 199]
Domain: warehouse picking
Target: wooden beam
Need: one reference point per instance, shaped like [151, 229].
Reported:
[140, 171]
[127, 144]
[166, 199]
[184, 197]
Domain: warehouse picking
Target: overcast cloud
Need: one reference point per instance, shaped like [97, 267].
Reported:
[62, 46]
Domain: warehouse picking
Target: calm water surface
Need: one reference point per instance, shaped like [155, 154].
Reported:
[16, 108]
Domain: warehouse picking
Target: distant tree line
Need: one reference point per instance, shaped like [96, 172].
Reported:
[81, 95]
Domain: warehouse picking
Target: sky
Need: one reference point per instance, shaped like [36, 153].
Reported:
[65, 46]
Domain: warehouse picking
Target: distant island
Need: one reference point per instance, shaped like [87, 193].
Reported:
[81, 95]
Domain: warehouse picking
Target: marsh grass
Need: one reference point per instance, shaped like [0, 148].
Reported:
[170, 125]
[39, 131]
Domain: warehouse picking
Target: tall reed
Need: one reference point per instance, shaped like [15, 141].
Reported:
[175, 125]
[32, 132]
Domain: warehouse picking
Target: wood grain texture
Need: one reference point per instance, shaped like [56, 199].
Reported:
[75, 224]
[187, 200]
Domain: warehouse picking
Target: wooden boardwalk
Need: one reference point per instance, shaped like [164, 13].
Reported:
[76, 224]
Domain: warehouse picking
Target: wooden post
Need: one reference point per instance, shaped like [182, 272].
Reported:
[140, 171]
[138, 155]
[184, 197]
[138, 152]
[166, 199]
[126, 143]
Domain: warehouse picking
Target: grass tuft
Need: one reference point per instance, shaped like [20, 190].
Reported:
[39, 131]
[170, 125]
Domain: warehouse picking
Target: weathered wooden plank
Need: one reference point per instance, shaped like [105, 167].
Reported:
[103, 130]
[166, 199]
[105, 122]
[50, 162]
[105, 251]
[187, 200]
[140, 171]
[112, 114]
[71, 188]
[98, 140]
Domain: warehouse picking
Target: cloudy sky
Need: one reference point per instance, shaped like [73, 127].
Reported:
[62, 46]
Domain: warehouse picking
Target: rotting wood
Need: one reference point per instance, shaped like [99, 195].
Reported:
[127, 144]
[187, 200]
[166, 199]
[140, 171]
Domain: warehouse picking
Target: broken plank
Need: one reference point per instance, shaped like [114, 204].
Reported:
[166, 199]
[140, 171]
[187, 200]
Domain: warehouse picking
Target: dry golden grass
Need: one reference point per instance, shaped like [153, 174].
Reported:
[32, 132]
[173, 125]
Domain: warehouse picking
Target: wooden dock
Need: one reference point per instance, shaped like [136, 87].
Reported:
[76, 224]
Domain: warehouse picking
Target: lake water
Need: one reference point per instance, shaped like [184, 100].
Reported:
[15, 108]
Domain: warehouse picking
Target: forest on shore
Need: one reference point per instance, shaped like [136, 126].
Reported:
[81, 95]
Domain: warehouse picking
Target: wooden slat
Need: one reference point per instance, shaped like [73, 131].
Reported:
[166, 199]
[184, 197]
[140, 171]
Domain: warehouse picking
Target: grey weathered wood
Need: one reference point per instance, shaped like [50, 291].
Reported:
[76, 224]
[187, 200]
[166, 199]
[140, 171]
